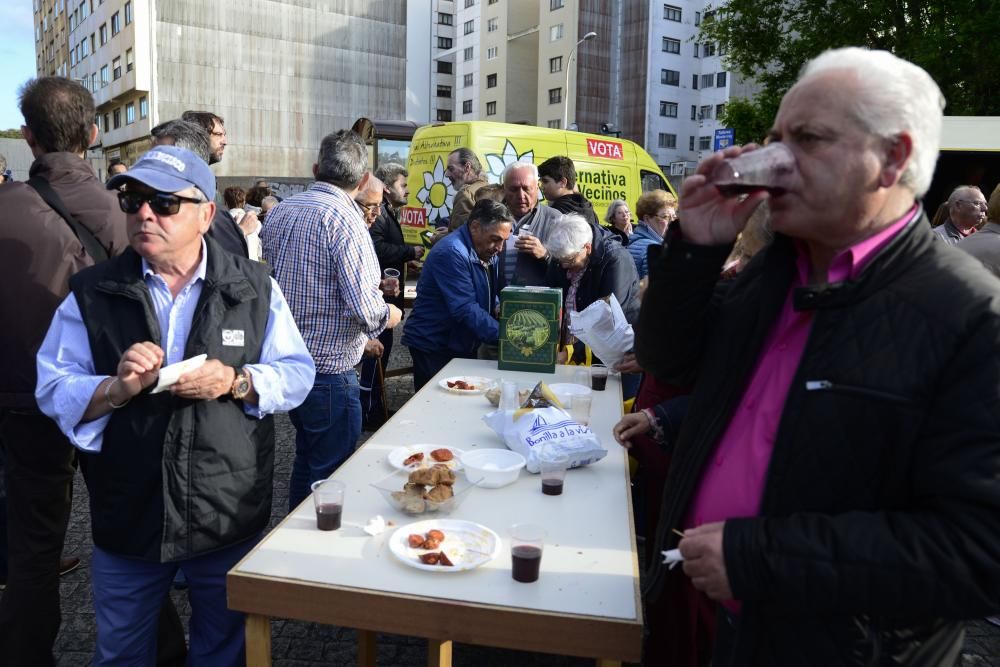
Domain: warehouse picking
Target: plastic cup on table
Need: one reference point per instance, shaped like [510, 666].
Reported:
[579, 408]
[526, 543]
[553, 465]
[328, 497]
[598, 377]
[508, 396]
[581, 376]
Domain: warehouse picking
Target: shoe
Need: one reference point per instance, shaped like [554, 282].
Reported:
[67, 565]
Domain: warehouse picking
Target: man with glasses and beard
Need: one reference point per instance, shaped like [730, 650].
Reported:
[155, 462]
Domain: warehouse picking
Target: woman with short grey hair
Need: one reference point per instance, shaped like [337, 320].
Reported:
[588, 263]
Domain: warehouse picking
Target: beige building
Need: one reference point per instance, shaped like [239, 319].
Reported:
[51, 37]
[282, 73]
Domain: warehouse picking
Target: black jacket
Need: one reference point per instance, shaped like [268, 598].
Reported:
[610, 271]
[391, 250]
[879, 525]
[227, 233]
[576, 203]
[176, 478]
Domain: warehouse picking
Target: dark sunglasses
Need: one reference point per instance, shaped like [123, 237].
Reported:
[162, 203]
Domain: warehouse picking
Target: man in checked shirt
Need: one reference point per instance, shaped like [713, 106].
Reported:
[324, 261]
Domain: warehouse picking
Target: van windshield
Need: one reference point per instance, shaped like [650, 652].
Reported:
[653, 181]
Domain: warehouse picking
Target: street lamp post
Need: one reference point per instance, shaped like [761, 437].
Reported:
[586, 38]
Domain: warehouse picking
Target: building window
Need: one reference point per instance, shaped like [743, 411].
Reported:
[469, 52]
[116, 68]
[555, 124]
[85, 47]
[669, 77]
[470, 3]
[128, 12]
[116, 24]
[694, 81]
[705, 112]
[143, 107]
[444, 42]
[467, 106]
[470, 26]
[93, 43]
[694, 112]
[668, 109]
[697, 50]
[444, 91]
[704, 143]
[444, 67]
[556, 4]
[671, 45]
[130, 113]
[444, 115]
[708, 49]
[491, 53]
[116, 118]
[720, 110]
[93, 82]
[697, 21]
[84, 9]
[445, 19]
[491, 108]
[491, 80]
[105, 76]
[72, 57]
[492, 24]
[671, 13]
[103, 32]
[467, 80]
[555, 95]
[667, 140]
[556, 32]
[720, 80]
[555, 64]
[107, 122]
[492, 2]
[709, 15]
[707, 80]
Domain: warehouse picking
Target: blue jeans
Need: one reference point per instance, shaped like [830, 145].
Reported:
[327, 428]
[128, 595]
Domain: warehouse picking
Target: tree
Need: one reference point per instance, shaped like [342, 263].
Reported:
[770, 40]
[10, 134]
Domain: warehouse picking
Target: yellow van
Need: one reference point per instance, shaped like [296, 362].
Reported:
[607, 168]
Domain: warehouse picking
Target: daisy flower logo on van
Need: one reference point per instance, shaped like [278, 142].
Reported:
[497, 163]
[437, 194]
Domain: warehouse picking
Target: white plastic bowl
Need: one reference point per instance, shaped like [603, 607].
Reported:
[492, 468]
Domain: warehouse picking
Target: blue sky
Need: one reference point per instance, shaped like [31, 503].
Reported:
[17, 57]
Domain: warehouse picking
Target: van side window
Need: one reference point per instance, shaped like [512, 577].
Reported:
[653, 181]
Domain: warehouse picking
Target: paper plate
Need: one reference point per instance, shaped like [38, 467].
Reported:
[481, 384]
[466, 543]
[400, 454]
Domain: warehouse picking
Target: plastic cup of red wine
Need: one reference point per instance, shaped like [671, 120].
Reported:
[598, 377]
[553, 466]
[526, 543]
[328, 496]
[765, 168]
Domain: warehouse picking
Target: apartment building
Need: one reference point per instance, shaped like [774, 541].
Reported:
[51, 42]
[455, 46]
[282, 73]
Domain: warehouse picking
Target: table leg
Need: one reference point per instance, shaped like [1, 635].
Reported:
[439, 653]
[367, 649]
[258, 641]
[604, 662]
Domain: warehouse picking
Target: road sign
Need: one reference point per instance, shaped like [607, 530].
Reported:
[724, 138]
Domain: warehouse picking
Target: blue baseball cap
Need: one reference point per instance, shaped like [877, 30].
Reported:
[169, 169]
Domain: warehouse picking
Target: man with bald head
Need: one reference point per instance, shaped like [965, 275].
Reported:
[835, 477]
[966, 213]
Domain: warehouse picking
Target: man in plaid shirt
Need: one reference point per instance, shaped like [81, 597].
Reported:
[324, 261]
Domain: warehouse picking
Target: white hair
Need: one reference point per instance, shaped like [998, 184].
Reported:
[520, 165]
[896, 96]
[568, 236]
[373, 185]
[961, 190]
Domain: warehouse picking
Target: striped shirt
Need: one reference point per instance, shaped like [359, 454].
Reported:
[324, 261]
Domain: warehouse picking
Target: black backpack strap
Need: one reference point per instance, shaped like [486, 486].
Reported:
[84, 235]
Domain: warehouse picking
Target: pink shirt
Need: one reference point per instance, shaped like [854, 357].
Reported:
[733, 481]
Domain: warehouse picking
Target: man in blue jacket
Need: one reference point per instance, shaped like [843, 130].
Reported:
[458, 293]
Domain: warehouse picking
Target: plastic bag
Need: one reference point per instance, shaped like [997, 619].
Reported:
[603, 328]
[541, 421]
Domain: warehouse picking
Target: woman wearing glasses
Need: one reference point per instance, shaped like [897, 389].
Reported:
[656, 209]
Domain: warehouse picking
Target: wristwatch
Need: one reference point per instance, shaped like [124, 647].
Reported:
[241, 385]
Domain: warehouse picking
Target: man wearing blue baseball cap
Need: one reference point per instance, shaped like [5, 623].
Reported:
[179, 475]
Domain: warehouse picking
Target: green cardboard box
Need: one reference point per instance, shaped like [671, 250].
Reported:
[529, 328]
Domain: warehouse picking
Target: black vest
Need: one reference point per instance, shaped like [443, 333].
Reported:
[176, 478]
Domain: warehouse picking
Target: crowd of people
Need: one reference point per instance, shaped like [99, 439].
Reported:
[816, 370]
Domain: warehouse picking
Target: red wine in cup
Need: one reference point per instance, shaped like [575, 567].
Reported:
[737, 189]
[552, 487]
[527, 561]
[328, 516]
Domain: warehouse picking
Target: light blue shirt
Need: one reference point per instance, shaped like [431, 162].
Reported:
[66, 375]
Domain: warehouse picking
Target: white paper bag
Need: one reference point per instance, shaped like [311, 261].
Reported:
[603, 328]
